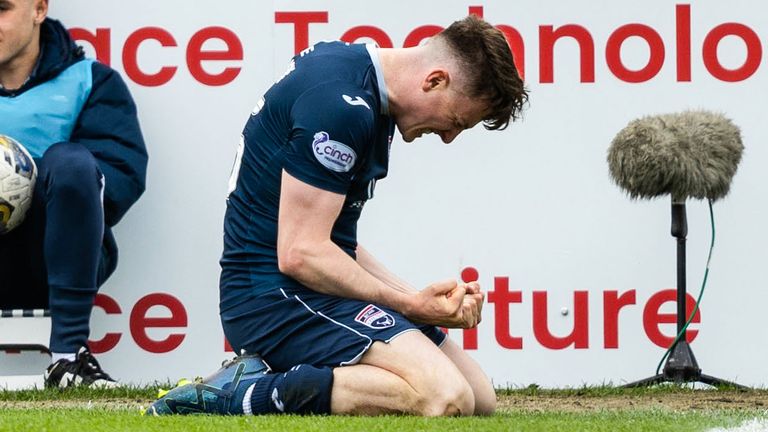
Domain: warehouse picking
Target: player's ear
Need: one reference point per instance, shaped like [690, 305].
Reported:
[436, 79]
[41, 10]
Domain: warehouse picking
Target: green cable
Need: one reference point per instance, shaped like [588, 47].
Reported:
[701, 292]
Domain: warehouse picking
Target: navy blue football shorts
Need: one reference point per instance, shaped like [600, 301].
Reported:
[292, 326]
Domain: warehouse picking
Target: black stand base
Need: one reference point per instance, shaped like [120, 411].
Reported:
[681, 367]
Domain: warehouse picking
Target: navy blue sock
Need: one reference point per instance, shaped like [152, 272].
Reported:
[304, 389]
[236, 402]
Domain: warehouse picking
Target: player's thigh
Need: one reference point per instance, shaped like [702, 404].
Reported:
[416, 359]
[485, 395]
[290, 326]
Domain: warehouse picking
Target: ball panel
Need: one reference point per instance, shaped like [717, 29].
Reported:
[18, 174]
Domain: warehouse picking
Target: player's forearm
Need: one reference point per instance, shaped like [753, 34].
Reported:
[375, 268]
[325, 268]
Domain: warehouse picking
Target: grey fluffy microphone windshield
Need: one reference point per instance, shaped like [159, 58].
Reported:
[690, 154]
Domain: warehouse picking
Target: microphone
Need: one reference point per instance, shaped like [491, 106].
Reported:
[692, 154]
[688, 154]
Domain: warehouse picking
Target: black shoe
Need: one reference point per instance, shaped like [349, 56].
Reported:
[84, 371]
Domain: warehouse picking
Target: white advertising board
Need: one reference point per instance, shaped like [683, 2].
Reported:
[578, 276]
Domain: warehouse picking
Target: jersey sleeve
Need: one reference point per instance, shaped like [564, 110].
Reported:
[333, 126]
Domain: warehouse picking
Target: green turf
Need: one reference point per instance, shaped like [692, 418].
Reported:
[150, 392]
[48, 412]
[83, 393]
[118, 420]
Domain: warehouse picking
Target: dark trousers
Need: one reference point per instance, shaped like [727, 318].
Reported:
[55, 259]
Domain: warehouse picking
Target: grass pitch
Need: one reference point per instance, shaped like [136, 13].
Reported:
[589, 409]
[121, 420]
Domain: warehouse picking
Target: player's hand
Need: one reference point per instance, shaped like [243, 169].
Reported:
[472, 305]
[473, 290]
[446, 304]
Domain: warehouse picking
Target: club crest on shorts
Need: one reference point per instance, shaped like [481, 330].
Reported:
[374, 317]
[332, 154]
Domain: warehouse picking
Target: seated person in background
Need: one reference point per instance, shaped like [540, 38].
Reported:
[78, 121]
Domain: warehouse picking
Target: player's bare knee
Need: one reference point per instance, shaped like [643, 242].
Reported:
[485, 397]
[485, 405]
[452, 398]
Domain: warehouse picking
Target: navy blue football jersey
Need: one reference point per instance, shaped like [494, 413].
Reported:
[326, 122]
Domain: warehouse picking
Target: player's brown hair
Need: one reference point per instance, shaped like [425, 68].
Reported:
[484, 55]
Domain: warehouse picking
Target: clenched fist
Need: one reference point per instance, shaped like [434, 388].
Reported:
[447, 304]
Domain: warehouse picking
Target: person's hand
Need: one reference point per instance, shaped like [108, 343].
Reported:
[447, 304]
[473, 290]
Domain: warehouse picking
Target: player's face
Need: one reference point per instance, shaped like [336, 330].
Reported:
[447, 115]
[18, 22]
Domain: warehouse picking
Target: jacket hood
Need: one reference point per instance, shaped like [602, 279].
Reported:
[58, 52]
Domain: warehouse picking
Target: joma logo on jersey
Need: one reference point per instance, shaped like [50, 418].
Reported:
[374, 317]
[332, 154]
[358, 101]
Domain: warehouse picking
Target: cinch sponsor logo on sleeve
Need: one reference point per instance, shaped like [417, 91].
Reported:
[332, 154]
[374, 317]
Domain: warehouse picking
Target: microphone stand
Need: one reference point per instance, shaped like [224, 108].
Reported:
[681, 365]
